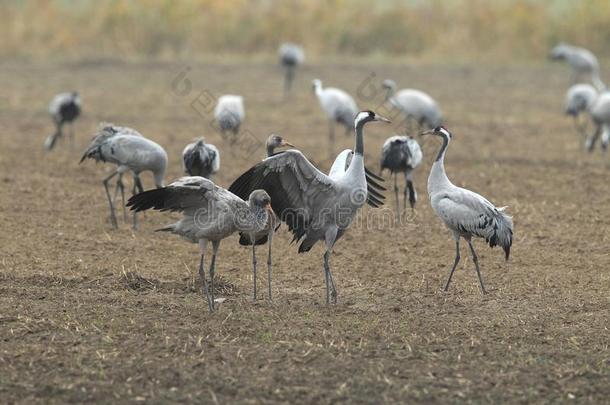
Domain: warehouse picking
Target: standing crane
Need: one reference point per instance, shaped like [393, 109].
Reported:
[315, 206]
[414, 104]
[339, 107]
[230, 114]
[291, 56]
[579, 100]
[582, 61]
[201, 159]
[401, 154]
[64, 108]
[129, 151]
[600, 114]
[464, 212]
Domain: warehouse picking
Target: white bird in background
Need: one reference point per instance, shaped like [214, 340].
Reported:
[291, 56]
[201, 159]
[582, 61]
[315, 206]
[600, 114]
[579, 100]
[464, 212]
[414, 104]
[64, 108]
[211, 213]
[402, 154]
[339, 107]
[130, 151]
[230, 114]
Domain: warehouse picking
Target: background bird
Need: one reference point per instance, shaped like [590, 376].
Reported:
[600, 114]
[339, 107]
[211, 214]
[201, 159]
[582, 61]
[130, 151]
[64, 108]
[291, 56]
[401, 154]
[315, 206]
[416, 105]
[230, 114]
[579, 100]
[466, 213]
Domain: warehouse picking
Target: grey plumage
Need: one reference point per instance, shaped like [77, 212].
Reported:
[414, 104]
[313, 205]
[64, 108]
[201, 159]
[210, 214]
[291, 56]
[402, 154]
[582, 61]
[466, 213]
[600, 114]
[129, 151]
[229, 114]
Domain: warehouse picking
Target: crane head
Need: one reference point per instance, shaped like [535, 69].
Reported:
[368, 116]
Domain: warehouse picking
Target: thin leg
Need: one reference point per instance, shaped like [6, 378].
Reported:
[590, 141]
[475, 259]
[254, 266]
[72, 136]
[206, 291]
[331, 291]
[112, 216]
[411, 191]
[457, 260]
[269, 263]
[120, 187]
[134, 192]
[396, 193]
[215, 245]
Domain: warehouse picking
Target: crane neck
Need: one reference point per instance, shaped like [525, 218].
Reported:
[389, 92]
[438, 177]
[359, 149]
[270, 150]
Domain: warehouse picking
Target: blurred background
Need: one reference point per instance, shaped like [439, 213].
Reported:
[418, 29]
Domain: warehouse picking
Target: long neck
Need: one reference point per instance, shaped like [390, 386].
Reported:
[270, 149]
[389, 92]
[438, 177]
[359, 149]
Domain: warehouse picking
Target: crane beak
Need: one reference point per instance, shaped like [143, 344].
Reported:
[287, 144]
[429, 132]
[382, 119]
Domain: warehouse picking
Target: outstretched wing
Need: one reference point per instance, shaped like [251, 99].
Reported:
[183, 195]
[298, 190]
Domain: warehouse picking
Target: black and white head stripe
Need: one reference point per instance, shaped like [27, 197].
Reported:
[364, 116]
[443, 130]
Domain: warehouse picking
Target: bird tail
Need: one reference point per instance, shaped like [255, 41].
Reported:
[503, 232]
[168, 228]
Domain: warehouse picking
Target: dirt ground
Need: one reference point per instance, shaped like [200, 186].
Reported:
[93, 314]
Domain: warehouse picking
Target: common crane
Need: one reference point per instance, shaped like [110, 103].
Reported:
[582, 61]
[210, 214]
[464, 212]
[230, 114]
[401, 154]
[414, 104]
[64, 108]
[201, 159]
[315, 206]
[291, 56]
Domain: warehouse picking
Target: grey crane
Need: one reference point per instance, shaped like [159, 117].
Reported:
[464, 212]
[130, 151]
[230, 114]
[581, 60]
[339, 107]
[401, 154]
[210, 214]
[64, 108]
[201, 159]
[275, 141]
[315, 206]
[600, 114]
[579, 101]
[414, 104]
[291, 56]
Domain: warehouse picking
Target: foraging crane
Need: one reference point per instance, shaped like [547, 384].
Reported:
[64, 108]
[464, 212]
[339, 107]
[401, 154]
[291, 56]
[201, 159]
[414, 104]
[582, 61]
[229, 113]
[275, 141]
[130, 151]
[315, 206]
[210, 214]
[579, 99]
[600, 114]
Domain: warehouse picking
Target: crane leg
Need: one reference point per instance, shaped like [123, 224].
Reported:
[120, 187]
[396, 194]
[202, 247]
[254, 266]
[72, 136]
[137, 188]
[457, 260]
[331, 290]
[215, 245]
[475, 259]
[591, 140]
[269, 262]
[411, 191]
[112, 216]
